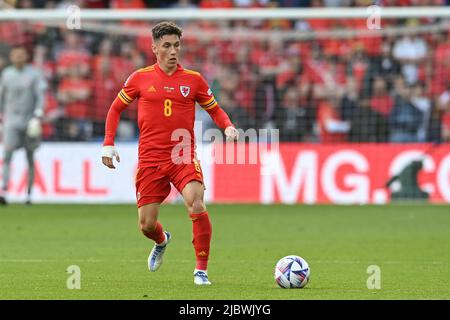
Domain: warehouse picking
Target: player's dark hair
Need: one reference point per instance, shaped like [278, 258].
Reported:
[165, 28]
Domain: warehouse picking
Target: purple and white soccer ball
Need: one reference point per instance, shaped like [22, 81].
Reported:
[292, 272]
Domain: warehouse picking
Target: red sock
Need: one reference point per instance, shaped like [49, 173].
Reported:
[157, 234]
[202, 230]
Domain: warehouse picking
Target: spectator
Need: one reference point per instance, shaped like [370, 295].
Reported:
[74, 94]
[105, 85]
[7, 4]
[423, 104]
[410, 51]
[290, 67]
[25, 4]
[327, 75]
[293, 119]
[215, 4]
[294, 3]
[381, 101]
[331, 126]
[164, 3]
[14, 33]
[127, 4]
[265, 101]
[350, 100]
[337, 3]
[441, 62]
[366, 125]
[443, 105]
[357, 66]
[183, 4]
[72, 54]
[237, 114]
[384, 66]
[404, 119]
[43, 61]
[95, 4]
[251, 3]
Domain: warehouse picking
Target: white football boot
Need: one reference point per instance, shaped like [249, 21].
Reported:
[155, 258]
[201, 278]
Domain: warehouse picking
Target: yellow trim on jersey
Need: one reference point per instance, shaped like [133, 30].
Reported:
[214, 105]
[204, 104]
[192, 72]
[126, 96]
[150, 68]
[210, 104]
[122, 99]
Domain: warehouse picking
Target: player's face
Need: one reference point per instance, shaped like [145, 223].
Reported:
[167, 51]
[18, 56]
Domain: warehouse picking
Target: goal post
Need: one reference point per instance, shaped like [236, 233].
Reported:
[225, 14]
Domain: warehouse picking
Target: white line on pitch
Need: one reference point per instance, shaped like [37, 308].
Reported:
[74, 260]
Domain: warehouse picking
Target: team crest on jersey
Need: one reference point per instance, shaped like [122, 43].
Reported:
[185, 90]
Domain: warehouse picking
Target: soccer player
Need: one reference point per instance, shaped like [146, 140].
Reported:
[22, 89]
[167, 94]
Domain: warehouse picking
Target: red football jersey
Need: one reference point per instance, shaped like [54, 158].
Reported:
[166, 103]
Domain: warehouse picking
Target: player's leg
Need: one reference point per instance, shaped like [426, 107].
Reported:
[30, 160]
[7, 156]
[193, 194]
[152, 187]
[149, 224]
[188, 179]
[30, 144]
[152, 229]
[12, 140]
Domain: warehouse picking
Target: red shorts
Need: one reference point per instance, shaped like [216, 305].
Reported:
[153, 183]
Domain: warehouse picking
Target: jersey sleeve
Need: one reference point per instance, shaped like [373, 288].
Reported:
[130, 89]
[39, 88]
[2, 92]
[204, 96]
[129, 92]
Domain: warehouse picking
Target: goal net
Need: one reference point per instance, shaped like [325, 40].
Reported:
[356, 87]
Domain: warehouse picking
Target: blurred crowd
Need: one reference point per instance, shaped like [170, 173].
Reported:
[374, 87]
[141, 4]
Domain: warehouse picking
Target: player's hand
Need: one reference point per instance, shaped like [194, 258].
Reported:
[109, 152]
[231, 134]
[34, 128]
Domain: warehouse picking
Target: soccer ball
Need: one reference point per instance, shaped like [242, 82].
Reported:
[292, 272]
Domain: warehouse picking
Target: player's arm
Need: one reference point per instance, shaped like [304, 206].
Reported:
[39, 87]
[2, 93]
[34, 128]
[128, 93]
[208, 102]
[2, 99]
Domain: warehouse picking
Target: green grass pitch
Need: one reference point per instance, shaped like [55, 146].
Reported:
[410, 244]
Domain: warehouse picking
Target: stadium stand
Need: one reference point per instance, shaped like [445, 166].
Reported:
[348, 88]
